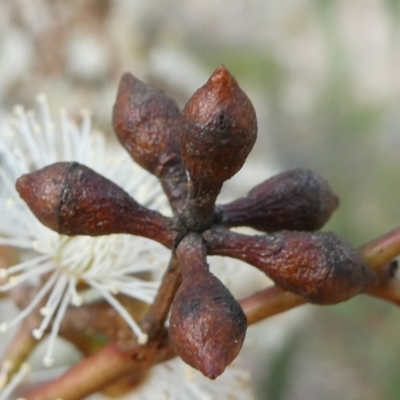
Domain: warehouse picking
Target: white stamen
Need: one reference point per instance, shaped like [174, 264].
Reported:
[17, 279]
[77, 301]
[22, 126]
[15, 242]
[34, 302]
[66, 142]
[36, 245]
[48, 359]
[114, 290]
[7, 182]
[12, 282]
[44, 311]
[6, 366]
[53, 301]
[145, 290]
[15, 381]
[48, 128]
[121, 310]
[143, 338]
[37, 334]
[85, 135]
[34, 262]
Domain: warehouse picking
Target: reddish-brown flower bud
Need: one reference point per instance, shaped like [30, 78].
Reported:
[321, 267]
[146, 122]
[207, 325]
[294, 200]
[74, 200]
[219, 129]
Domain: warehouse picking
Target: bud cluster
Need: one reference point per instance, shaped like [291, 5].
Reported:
[193, 153]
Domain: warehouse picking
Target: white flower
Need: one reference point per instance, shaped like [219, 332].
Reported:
[108, 265]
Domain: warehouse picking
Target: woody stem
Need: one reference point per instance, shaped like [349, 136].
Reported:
[153, 322]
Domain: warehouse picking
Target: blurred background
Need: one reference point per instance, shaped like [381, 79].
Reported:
[324, 77]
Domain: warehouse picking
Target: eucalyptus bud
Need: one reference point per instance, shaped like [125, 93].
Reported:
[321, 267]
[219, 129]
[146, 122]
[297, 199]
[207, 325]
[72, 199]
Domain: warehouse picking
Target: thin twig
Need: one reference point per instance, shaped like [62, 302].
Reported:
[268, 302]
[21, 346]
[378, 253]
[389, 292]
[101, 370]
[153, 322]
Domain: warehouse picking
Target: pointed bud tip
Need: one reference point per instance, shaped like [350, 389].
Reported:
[219, 128]
[207, 325]
[129, 84]
[23, 185]
[212, 369]
[223, 78]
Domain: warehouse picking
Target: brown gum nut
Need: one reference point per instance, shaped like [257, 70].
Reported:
[146, 122]
[297, 199]
[322, 267]
[207, 325]
[73, 199]
[219, 129]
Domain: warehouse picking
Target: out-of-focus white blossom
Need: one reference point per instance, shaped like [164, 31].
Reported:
[108, 265]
